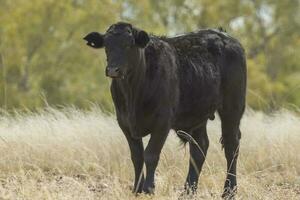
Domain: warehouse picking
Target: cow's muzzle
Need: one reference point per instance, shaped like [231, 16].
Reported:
[113, 72]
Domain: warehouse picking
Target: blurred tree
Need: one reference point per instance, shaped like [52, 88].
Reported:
[43, 58]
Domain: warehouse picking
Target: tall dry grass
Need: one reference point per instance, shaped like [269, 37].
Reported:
[72, 154]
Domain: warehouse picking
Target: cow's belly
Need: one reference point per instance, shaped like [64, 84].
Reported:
[197, 104]
[192, 118]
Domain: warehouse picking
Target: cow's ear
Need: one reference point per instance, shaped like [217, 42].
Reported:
[95, 40]
[141, 38]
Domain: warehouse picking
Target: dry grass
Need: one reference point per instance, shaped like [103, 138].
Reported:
[73, 154]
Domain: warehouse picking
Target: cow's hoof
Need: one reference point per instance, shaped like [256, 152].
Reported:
[190, 189]
[186, 195]
[229, 193]
[188, 192]
[136, 191]
[148, 190]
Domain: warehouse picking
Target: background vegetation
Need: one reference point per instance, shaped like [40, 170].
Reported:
[43, 59]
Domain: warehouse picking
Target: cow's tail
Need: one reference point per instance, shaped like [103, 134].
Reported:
[185, 137]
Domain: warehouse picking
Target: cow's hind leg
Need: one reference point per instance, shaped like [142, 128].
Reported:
[231, 135]
[231, 111]
[198, 150]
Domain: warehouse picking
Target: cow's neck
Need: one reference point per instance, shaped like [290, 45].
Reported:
[136, 75]
[132, 84]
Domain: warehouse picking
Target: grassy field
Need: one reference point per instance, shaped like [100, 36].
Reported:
[72, 154]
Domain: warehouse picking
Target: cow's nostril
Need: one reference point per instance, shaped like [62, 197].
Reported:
[113, 72]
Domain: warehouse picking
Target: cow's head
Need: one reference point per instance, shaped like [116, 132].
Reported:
[122, 43]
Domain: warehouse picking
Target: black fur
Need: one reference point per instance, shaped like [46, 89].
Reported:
[163, 83]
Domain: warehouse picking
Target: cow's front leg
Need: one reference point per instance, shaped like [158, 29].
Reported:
[151, 158]
[137, 157]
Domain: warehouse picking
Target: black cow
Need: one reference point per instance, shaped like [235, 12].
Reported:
[163, 83]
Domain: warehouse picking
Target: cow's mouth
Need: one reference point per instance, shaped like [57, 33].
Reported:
[116, 77]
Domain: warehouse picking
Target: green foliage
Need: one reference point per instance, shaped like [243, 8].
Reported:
[43, 59]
